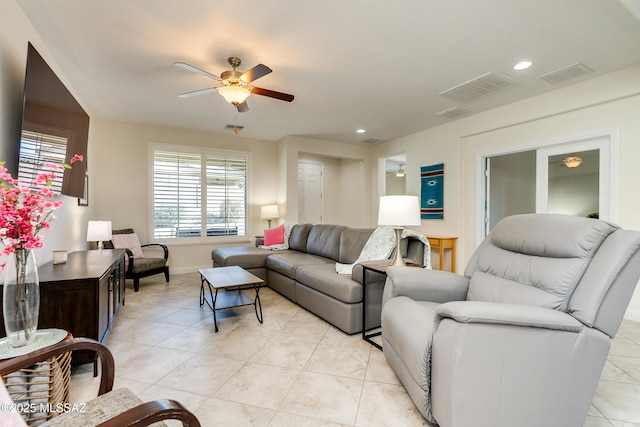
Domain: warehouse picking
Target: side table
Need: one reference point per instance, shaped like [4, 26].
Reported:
[41, 388]
[381, 268]
[377, 267]
[441, 243]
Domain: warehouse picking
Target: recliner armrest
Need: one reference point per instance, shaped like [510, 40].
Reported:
[423, 284]
[507, 314]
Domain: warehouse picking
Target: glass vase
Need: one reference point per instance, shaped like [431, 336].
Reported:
[21, 297]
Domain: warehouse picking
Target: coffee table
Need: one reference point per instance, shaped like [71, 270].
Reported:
[231, 280]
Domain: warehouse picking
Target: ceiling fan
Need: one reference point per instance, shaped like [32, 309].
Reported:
[234, 84]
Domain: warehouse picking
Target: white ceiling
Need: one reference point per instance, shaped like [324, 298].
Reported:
[351, 64]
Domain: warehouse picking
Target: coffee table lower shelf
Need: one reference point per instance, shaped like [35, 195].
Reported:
[230, 280]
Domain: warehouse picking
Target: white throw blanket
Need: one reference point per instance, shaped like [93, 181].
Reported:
[380, 246]
[288, 226]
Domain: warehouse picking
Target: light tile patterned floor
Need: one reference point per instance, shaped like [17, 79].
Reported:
[293, 370]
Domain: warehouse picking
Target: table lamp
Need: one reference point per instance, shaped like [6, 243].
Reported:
[98, 231]
[399, 211]
[269, 212]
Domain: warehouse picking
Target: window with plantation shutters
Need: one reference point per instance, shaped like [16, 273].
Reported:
[37, 149]
[198, 193]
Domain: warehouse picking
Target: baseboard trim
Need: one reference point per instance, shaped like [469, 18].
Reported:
[184, 270]
[633, 315]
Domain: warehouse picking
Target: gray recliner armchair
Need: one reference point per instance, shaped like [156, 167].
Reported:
[521, 338]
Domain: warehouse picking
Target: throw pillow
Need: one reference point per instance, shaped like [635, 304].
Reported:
[274, 236]
[128, 241]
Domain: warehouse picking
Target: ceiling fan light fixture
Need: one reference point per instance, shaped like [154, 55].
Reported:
[572, 161]
[234, 94]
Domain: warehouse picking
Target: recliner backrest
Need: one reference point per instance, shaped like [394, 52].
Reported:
[535, 259]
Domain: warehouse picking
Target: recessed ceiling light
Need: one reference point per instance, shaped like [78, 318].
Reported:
[360, 131]
[522, 65]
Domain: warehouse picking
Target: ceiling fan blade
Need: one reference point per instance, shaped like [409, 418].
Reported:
[196, 70]
[242, 108]
[272, 94]
[255, 73]
[197, 92]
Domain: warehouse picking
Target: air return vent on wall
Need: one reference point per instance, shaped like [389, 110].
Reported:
[566, 73]
[480, 86]
[453, 112]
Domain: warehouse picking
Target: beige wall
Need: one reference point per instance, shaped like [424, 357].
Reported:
[349, 193]
[119, 165]
[118, 155]
[608, 102]
[120, 175]
[68, 231]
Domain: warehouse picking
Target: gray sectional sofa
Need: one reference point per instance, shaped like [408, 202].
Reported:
[306, 274]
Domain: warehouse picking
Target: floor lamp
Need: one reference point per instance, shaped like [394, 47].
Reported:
[399, 211]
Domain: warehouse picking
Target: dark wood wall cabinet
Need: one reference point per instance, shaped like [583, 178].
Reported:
[83, 295]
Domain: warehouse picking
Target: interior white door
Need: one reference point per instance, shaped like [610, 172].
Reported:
[536, 179]
[582, 188]
[310, 187]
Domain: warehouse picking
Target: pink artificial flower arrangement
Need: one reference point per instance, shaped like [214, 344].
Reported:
[25, 211]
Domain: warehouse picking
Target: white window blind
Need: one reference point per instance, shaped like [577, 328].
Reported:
[36, 149]
[199, 194]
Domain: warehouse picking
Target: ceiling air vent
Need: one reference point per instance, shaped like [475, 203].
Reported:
[371, 141]
[453, 112]
[566, 73]
[480, 86]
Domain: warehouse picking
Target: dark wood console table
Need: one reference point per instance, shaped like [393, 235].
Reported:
[82, 296]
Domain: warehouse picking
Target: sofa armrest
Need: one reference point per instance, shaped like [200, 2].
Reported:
[107, 363]
[151, 412]
[372, 276]
[164, 247]
[507, 314]
[422, 284]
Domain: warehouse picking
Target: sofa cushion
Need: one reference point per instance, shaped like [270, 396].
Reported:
[352, 240]
[299, 236]
[99, 410]
[323, 278]
[147, 264]
[244, 256]
[287, 263]
[324, 240]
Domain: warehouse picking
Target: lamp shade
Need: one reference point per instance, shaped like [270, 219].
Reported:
[269, 212]
[399, 210]
[97, 231]
[234, 94]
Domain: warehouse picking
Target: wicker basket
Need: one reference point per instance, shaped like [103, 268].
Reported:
[41, 391]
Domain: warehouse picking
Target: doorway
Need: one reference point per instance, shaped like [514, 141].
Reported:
[573, 177]
[310, 188]
[395, 175]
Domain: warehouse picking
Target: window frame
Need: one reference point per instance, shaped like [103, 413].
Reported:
[201, 151]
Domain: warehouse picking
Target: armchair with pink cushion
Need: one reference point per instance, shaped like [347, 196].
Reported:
[140, 264]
